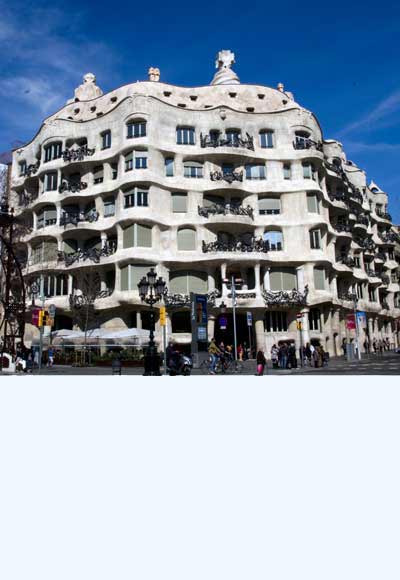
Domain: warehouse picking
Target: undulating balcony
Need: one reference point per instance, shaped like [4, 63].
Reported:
[183, 300]
[343, 228]
[31, 169]
[305, 143]
[346, 296]
[226, 209]
[285, 298]
[384, 215]
[92, 254]
[346, 261]
[365, 243]
[74, 218]
[235, 141]
[240, 245]
[72, 186]
[228, 176]
[78, 154]
[389, 237]
[380, 256]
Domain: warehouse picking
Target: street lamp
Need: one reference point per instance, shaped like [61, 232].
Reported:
[151, 290]
[355, 300]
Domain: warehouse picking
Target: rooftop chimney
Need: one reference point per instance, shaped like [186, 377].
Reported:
[154, 74]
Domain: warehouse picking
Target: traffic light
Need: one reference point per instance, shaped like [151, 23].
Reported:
[40, 318]
[162, 316]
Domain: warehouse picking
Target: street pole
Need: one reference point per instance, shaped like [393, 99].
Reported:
[233, 291]
[41, 330]
[357, 331]
[165, 348]
[250, 341]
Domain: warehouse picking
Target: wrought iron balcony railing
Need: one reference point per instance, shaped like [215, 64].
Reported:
[227, 141]
[285, 298]
[355, 194]
[389, 237]
[183, 300]
[338, 196]
[384, 215]
[93, 254]
[365, 243]
[228, 176]
[362, 219]
[255, 245]
[343, 228]
[371, 272]
[306, 143]
[75, 217]
[380, 256]
[77, 154]
[72, 186]
[336, 169]
[26, 199]
[347, 296]
[31, 169]
[385, 279]
[225, 209]
[347, 261]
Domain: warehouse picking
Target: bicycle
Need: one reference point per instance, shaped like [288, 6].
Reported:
[222, 366]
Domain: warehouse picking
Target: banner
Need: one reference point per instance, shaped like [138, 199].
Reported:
[350, 322]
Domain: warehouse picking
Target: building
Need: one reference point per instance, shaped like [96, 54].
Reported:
[206, 183]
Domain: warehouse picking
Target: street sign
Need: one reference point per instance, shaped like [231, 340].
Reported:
[202, 333]
[163, 318]
[223, 322]
[362, 318]
[350, 322]
[249, 319]
[52, 311]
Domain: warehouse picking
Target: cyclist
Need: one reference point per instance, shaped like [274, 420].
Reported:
[214, 352]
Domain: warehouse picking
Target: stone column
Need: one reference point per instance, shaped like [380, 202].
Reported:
[257, 284]
[243, 276]
[70, 283]
[103, 283]
[120, 237]
[104, 239]
[306, 328]
[35, 221]
[211, 326]
[260, 334]
[58, 209]
[267, 281]
[210, 280]
[138, 320]
[300, 278]
[224, 286]
[371, 329]
[117, 278]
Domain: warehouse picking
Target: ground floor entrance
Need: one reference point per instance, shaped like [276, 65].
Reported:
[223, 331]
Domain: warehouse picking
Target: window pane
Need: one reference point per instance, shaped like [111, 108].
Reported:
[269, 203]
[275, 280]
[169, 167]
[179, 202]
[136, 274]
[178, 283]
[128, 236]
[312, 203]
[144, 236]
[186, 239]
[125, 278]
[319, 278]
[289, 280]
[197, 282]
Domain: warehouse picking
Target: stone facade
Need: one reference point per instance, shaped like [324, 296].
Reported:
[206, 183]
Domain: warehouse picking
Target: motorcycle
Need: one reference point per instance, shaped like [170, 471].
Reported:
[185, 367]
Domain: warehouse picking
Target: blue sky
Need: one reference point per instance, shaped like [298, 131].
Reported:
[341, 60]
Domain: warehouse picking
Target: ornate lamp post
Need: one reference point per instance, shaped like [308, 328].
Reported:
[151, 290]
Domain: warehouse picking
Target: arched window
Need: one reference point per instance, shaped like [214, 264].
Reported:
[52, 151]
[186, 239]
[193, 169]
[45, 251]
[255, 171]
[136, 128]
[274, 239]
[186, 281]
[266, 139]
[131, 274]
[137, 235]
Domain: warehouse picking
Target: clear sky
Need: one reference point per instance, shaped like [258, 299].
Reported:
[340, 59]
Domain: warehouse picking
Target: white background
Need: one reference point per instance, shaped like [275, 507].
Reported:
[201, 478]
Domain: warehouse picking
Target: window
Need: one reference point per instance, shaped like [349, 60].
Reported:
[136, 129]
[233, 136]
[269, 205]
[181, 322]
[140, 159]
[179, 202]
[287, 171]
[114, 170]
[137, 235]
[357, 262]
[319, 278]
[50, 181]
[227, 169]
[309, 171]
[138, 197]
[186, 239]
[266, 139]
[193, 169]
[315, 239]
[44, 252]
[282, 279]
[54, 285]
[359, 291]
[22, 168]
[136, 159]
[132, 274]
[47, 217]
[185, 136]
[302, 140]
[106, 140]
[312, 203]
[186, 281]
[98, 174]
[109, 207]
[52, 151]
[255, 171]
[314, 319]
[275, 321]
[169, 167]
[275, 240]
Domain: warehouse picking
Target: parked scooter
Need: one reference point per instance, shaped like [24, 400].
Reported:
[183, 366]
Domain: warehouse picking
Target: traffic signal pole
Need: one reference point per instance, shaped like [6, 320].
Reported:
[41, 329]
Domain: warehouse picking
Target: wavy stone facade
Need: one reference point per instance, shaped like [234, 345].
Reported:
[205, 183]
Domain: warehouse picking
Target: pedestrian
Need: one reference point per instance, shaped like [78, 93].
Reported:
[274, 356]
[261, 362]
[284, 355]
[374, 345]
[50, 355]
[380, 347]
[240, 352]
[307, 354]
[214, 352]
[292, 356]
[344, 347]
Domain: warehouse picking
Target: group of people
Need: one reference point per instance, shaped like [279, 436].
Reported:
[222, 353]
[377, 345]
[284, 356]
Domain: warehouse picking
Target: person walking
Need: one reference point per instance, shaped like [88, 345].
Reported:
[240, 352]
[292, 356]
[307, 354]
[214, 352]
[274, 356]
[284, 355]
[261, 362]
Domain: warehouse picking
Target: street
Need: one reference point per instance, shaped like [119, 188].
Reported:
[386, 364]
